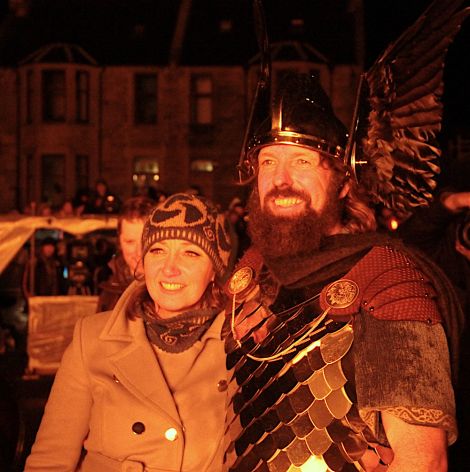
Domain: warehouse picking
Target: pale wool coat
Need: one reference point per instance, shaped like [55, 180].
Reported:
[110, 395]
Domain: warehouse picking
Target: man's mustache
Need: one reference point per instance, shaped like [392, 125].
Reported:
[287, 193]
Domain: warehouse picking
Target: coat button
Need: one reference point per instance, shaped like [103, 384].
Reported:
[222, 385]
[171, 434]
[138, 427]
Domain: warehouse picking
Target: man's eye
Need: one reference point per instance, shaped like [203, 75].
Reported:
[303, 162]
[266, 162]
[192, 253]
[156, 250]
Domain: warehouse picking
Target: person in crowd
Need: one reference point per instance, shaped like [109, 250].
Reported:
[47, 269]
[158, 196]
[237, 215]
[56, 198]
[443, 232]
[127, 262]
[103, 200]
[82, 201]
[67, 209]
[144, 387]
[337, 336]
[44, 209]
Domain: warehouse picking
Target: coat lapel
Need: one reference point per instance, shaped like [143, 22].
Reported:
[135, 363]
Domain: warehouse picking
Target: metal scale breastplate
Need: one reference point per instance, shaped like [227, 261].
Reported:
[295, 411]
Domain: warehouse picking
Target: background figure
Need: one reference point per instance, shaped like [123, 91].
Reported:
[67, 209]
[103, 200]
[238, 217]
[82, 201]
[124, 265]
[443, 232]
[144, 387]
[48, 271]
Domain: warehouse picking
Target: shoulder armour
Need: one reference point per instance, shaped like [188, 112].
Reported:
[389, 286]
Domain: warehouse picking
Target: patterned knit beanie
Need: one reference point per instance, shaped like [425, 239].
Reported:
[195, 219]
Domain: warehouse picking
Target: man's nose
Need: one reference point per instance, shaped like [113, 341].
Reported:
[282, 176]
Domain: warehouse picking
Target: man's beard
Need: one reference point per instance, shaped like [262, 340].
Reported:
[287, 236]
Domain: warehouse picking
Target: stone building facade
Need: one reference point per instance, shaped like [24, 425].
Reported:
[66, 121]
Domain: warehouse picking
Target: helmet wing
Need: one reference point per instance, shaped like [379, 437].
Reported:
[402, 95]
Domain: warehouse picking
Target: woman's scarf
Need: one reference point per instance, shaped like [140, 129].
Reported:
[178, 333]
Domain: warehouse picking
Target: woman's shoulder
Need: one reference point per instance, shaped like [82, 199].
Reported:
[93, 324]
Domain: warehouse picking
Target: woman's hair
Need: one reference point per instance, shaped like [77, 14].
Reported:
[214, 297]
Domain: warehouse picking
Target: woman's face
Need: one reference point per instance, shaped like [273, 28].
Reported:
[177, 273]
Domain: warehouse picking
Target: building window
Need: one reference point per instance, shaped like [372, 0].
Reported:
[52, 176]
[146, 175]
[82, 163]
[54, 96]
[82, 96]
[201, 100]
[29, 96]
[145, 99]
[202, 165]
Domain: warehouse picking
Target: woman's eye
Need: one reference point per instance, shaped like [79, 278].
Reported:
[156, 250]
[192, 253]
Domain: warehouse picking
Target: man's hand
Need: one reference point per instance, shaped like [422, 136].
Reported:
[416, 448]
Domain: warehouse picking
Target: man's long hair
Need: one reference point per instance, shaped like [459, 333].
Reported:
[357, 215]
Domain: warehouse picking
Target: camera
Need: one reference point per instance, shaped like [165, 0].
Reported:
[463, 231]
[79, 268]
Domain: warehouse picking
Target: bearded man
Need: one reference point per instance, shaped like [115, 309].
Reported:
[337, 334]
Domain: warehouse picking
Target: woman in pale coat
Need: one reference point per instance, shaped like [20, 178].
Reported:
[143, 388]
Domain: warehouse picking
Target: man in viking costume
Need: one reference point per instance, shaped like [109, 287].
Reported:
[342, 341]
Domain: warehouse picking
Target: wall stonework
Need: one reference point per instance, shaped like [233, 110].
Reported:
[112, 140]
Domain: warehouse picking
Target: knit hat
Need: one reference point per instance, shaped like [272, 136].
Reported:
[195, 219]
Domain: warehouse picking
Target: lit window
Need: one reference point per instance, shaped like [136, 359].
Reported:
[201, 100]
[202, 165]
[145, 98]
[82, 96]
[54, 95]
[145, 175]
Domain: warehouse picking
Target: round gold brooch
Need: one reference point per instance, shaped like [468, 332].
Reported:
[240, 280]
[342, 293]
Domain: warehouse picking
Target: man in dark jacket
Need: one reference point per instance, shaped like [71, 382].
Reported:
[126, 264]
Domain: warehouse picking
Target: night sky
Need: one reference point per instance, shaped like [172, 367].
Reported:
[396, 16]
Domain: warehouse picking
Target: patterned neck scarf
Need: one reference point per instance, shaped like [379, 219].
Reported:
[178, 333]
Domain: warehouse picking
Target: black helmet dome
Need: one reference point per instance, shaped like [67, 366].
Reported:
[300, 114]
